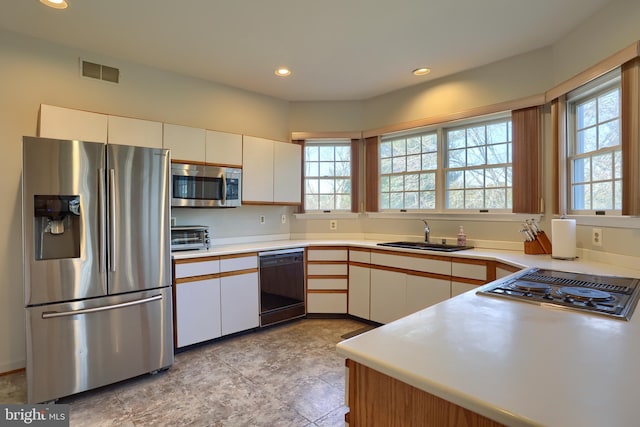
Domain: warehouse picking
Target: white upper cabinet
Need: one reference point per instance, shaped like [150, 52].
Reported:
[66, 123]
[186, 143]
[287, 173]
[271, 171]
[223, 148]
[139, 133]
[257, 169]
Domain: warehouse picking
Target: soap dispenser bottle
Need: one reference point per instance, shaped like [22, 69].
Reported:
[462, 238]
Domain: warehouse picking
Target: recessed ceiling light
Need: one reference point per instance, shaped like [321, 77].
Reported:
[56, 4]
[421, 71]
[283, 72]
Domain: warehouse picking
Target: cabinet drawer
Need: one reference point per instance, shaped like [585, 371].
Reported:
[197, 268]
[234, 263]
[470, 271]
[327, 269]
[360, 256]
[427, 265]
[327, 255]
[327, 284]
[327, 303]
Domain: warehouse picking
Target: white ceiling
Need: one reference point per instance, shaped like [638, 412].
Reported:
[337, 49]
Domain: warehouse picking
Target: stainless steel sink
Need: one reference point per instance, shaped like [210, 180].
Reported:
[426, 246]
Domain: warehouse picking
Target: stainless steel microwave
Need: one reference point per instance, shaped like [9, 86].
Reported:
[205, 186]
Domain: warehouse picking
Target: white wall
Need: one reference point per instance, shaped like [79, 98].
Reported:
[34, 72]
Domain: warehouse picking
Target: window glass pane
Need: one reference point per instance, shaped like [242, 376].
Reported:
[428, 200]
[311, 202]
[586, 114]
[327, 186]
[326, 202]
[455, 199]
[399, 164]
[430, 161]
[602, 167]
[311, 169]
[430, 143]
[384, 183]
[343, 153]
[474, 178]
[385, 149]
[326, 169]
[474, 199]
[414, 163]
[456, 138]
[396, 201]
[617, 193]
[414, 145]
[312, 186]
[582, 170]
[602, 195]
[586, 141]
[609, 105]
[476, 156]
[609, 134]
[326, 153]
[412, 182]
[411, 200]
[343, 186]
[495, 198]
[497, 133]
[582, 196]
[617, 159]
[311, 153]
[497, 154]
[428, 181]
[385, 166]
[476, 136]
[343, 169]
[455, 179]
[399, 147]
[495, 177]
[396, 183]
[457, 158]
[343, 201]
[384, 201]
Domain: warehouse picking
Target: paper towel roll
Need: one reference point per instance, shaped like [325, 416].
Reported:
[563, 238]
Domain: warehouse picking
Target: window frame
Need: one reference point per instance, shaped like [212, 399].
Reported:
[439, 130]
[592, 91]
[334, 142]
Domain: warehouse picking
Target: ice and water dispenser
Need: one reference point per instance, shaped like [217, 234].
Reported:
[57, 226]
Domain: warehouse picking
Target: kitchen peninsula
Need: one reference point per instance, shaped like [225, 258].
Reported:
[497, 362]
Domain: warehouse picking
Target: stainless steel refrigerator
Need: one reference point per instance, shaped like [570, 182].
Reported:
[97, 273]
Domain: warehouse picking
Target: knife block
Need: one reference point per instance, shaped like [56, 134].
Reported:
[540, 246]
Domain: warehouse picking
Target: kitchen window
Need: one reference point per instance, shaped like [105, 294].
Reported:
[594, 152]
[465, 167]
[478, 166]
[327, 175]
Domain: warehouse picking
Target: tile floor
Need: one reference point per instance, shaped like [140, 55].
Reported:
[287, 375]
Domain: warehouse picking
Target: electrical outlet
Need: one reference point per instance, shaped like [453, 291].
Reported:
[262, 220]
[283, 219]
[596, 236]
[333, 224]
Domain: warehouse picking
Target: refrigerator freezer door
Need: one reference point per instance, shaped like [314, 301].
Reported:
[73, 347]
[53, 168]
[139, 221]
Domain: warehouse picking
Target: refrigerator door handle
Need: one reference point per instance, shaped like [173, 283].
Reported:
[112, 220]
[103, 222]
[54, 314]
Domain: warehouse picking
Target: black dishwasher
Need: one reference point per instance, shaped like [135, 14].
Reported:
[281, 285]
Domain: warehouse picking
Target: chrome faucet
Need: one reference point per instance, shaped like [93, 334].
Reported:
[427, 230]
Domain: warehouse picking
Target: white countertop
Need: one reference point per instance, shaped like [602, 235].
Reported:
[517, 363]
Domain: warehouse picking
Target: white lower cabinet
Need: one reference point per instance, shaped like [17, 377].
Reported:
[197, 311]
[239, 296]
[359, 291]
[458, 288]
[388, 295]
[423, 292]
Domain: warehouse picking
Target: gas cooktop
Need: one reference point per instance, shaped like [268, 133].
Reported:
[606, 295]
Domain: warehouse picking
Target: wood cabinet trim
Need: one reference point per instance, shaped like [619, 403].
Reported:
[359, 264]
[468, 280]
[508, 267]
[327, 248]
[470, 261]
[327, 291]
[327, 276]
[197, 278]
[411, 255]
[326, 262]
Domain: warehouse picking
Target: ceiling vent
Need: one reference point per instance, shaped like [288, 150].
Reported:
[99, 71]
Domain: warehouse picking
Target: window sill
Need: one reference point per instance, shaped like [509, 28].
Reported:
[327, 215]
[455, 216]
[613, 221]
